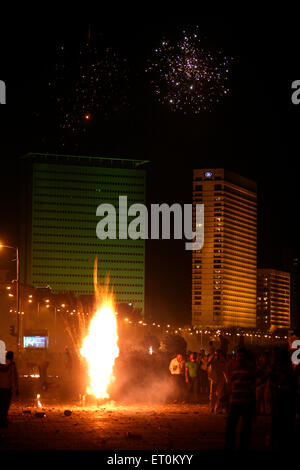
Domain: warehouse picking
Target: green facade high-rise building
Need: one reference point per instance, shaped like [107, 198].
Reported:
[60, 195]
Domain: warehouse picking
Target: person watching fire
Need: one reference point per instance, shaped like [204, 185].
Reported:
[176, 369]
[8, 386]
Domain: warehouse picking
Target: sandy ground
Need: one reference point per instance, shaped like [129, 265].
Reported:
[164, 427]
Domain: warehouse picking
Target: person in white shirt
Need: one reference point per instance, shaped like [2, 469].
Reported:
[176, 368]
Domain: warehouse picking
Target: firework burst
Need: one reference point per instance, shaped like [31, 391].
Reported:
[91, 84]
[187, 76]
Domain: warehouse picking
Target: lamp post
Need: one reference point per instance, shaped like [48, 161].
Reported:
[17, 293]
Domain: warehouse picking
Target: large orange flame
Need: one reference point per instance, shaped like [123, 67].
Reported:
[100, 346]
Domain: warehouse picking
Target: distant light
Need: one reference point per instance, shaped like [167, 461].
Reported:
[208, 174]
[87, 116]
[150, 350]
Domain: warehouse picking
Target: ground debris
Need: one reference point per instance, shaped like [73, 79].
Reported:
[132, 435]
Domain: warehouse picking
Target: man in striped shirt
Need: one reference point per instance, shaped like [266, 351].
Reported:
[241, 389]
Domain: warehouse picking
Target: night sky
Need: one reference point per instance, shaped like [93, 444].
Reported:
[253, 131]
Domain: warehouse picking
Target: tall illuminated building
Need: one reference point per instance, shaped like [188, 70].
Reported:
[273, 299]
[295, 294]
[224, 270]
[60, 196]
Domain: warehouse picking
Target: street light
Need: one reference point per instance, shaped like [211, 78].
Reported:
[17, 292]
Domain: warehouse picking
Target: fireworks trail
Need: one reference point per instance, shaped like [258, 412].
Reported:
[76, 327]
[187, 76]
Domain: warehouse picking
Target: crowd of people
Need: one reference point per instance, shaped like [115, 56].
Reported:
[243, 386]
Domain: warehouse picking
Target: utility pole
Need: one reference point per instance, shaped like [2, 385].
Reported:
[17, 293]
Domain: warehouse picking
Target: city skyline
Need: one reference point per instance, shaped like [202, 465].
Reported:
[233, 222]
[252, 133]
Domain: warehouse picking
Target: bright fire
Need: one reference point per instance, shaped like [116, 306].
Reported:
[100, 346]
[38, 402]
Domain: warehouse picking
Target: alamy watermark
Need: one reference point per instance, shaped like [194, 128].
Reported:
[153, 224]
[295, 96]
[2, 92]
[295, 355]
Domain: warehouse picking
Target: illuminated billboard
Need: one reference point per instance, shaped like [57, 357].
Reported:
[36, 342]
